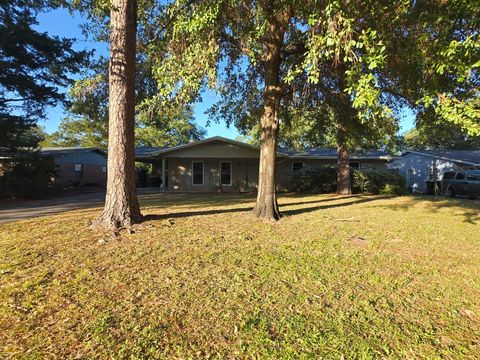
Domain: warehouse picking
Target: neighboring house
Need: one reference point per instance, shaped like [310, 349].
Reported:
[220, 164]
[77, 166]
[422, 166]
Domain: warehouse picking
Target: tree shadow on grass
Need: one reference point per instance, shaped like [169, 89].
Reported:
[355, 200]
[195, 200]
[182, 214]
[322, 200]
[471, 208]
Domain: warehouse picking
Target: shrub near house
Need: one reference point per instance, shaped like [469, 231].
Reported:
[323, 180]
[27, 176]
[378, 182]
[319, 180]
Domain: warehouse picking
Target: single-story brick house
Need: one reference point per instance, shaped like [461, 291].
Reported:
[221, 164]
[77, 166]
[423, 166]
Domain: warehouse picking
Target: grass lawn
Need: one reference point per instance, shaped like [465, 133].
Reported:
[338, 277]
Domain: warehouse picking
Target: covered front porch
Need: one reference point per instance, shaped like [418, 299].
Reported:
[152, 172]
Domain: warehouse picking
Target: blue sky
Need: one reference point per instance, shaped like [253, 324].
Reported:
[60, 22]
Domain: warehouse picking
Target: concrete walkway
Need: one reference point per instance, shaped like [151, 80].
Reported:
[19, 210]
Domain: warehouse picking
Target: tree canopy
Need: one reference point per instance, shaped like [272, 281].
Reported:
[424, 55]
[87, 120]
[34, 67]
[416, 53]
[438, 136]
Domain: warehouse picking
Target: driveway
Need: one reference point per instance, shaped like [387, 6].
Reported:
[20, 210]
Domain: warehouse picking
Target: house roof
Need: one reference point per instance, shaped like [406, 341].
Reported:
[61, 151]
[205, 141]
[152, 152]
[328, 153]
[467, 157]
[314, 153]
[146, 151]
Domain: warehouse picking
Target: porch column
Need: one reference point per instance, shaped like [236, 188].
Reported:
[164, 183]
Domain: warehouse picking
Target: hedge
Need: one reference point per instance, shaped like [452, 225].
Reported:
[324, 180]
[28, 176]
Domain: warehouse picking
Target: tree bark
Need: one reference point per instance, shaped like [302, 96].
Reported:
[344, 186]
[121, 204]
[267, 207]
[345, 116]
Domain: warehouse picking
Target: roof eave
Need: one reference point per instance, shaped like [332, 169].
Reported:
[441, 158]
[206, 141]
[320, 157]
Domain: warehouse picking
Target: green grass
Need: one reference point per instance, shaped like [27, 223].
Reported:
[354, 277]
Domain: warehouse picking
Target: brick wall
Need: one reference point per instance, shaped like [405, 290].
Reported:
[67, 176]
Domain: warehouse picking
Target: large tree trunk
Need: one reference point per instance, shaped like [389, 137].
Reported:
[267, 206]
[344, 186]
[121, 204]
[346, 115]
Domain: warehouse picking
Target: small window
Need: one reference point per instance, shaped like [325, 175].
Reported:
[460, 176]
[355, 165]
[225, 173]
[197, 173]
[296, 166]
[79, 170]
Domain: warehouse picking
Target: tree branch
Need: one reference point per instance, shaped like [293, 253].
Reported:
[3, 101]
[293, 49]
[236, 43]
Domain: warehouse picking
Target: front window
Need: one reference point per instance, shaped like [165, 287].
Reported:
[225, 173]
[296, 166]
[197, 173]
